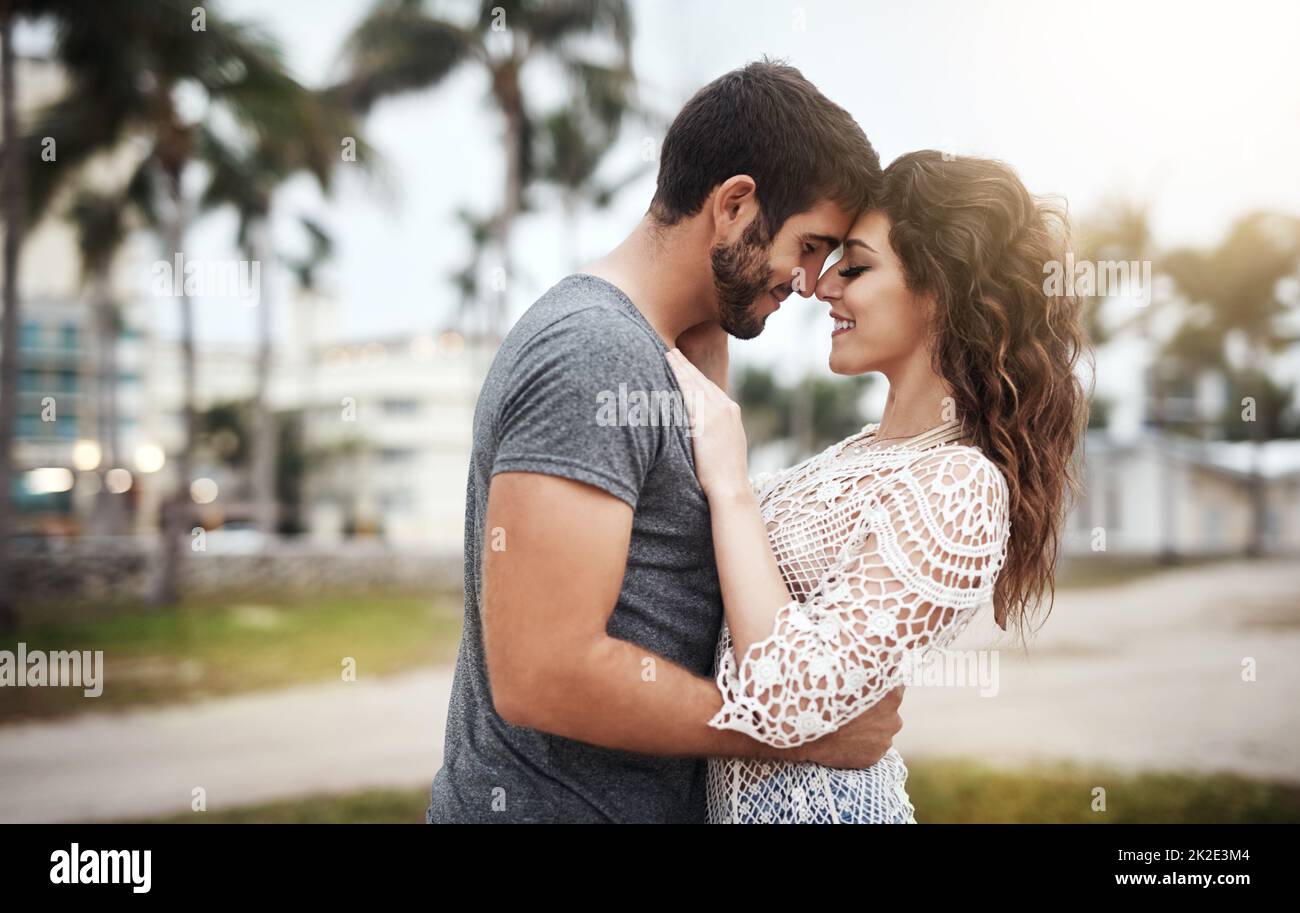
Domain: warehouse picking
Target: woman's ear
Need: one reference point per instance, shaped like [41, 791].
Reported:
[734, 206]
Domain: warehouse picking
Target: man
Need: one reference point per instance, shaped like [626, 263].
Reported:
[592, 605]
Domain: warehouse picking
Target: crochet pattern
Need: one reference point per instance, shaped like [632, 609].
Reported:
[887, 553]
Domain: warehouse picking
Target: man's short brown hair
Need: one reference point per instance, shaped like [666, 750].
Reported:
[769, 122]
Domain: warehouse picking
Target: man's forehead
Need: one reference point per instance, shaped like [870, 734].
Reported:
[825, 222]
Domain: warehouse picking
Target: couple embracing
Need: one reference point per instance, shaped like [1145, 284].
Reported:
[651, 635]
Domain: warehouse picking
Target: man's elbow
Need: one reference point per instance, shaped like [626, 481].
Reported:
[533, 693]
[513, 702]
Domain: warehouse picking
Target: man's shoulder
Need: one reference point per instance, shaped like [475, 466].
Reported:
[585, 317]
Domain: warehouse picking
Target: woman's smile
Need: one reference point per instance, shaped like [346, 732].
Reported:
[842, 324]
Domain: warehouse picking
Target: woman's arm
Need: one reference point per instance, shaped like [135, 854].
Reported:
[922, 558]
[926, 555]
[752, 587]
[753, 590]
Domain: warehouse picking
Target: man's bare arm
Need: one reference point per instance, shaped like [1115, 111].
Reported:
[547, 598]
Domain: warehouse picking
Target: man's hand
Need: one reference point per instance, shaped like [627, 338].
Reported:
[863, 741]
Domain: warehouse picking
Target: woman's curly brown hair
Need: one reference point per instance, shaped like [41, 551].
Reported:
[968, 233]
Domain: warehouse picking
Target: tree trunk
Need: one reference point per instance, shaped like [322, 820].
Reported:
[1258, 434]
[1168, 466]
[13, 214]
[177, 513]
[106, 518]
[265, 437]
[512, 105]
[570, 207]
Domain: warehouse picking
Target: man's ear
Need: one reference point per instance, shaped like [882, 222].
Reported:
[734, 206]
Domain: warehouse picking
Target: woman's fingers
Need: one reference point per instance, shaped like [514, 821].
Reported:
[689, 385]
[683, 368]
[692, 382]
[680, 367]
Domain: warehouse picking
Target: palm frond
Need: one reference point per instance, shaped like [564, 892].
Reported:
[400, 48]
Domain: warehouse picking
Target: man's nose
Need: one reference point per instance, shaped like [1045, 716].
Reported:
[803, 287]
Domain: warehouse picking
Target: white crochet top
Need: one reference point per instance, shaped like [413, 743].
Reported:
[888, 551]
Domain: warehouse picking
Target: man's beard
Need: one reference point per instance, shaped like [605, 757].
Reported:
[741, 275]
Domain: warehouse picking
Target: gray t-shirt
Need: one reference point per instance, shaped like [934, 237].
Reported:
[580, 389]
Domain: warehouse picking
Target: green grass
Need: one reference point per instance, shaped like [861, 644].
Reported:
[203, 650]
[943, 791]
[964, 792]
[246, 643]
[372, 806]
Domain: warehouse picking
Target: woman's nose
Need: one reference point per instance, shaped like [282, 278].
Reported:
[827, 287]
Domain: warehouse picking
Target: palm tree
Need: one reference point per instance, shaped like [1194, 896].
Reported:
[1233, 290]
[247, 178]
[571, 147]
[101, 221]
[18, 195]
[125, 62]
[11, 190]
[402, 46]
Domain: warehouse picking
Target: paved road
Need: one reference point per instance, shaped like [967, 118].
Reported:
[1146, 675]
[241, 750]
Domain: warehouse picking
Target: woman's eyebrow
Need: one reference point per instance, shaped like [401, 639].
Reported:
[856, 242]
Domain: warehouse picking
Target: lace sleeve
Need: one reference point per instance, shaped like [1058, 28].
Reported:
[760, 483]
[925, 553]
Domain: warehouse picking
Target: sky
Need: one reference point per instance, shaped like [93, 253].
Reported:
[1191, 107]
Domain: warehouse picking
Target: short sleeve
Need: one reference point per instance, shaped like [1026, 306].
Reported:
[588, 398]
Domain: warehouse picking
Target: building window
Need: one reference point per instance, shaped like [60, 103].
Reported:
[69, 336]
[29, 336]
[400, 406]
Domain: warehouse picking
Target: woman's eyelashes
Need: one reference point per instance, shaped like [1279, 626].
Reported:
[848, 272]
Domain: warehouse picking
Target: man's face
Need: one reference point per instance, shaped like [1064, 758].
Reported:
[754, 274]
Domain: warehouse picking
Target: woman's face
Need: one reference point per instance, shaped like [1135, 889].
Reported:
[879, 324]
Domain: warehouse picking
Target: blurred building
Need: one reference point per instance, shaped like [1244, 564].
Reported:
[387, 427]
[1160, 494]
[384, 427]
[65, 431]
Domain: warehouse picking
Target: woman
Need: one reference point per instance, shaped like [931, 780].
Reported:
[839, 573]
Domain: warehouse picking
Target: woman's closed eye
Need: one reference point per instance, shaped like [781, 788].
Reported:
[848, 272]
